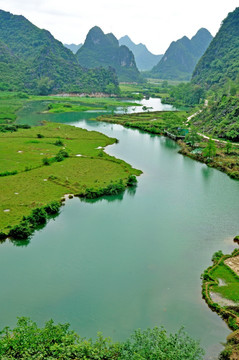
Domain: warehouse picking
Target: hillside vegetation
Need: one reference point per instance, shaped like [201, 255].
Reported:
[221, 60]
[181, 57]
[101, 49]
[31, 59]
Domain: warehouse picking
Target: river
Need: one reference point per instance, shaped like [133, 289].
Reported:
[131, 261]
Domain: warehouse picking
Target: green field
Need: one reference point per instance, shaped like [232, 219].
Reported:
[231, 289]
[10, 103]
[36, 184]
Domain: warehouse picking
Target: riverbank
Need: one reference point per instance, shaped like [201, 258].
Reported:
[40, 165]
[220, 289]
[224, 158]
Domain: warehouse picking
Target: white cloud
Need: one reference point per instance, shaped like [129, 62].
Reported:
[153, 22]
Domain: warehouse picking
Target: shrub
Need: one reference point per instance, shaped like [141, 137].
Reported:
[132, 180]
[59, 142]
[46, 161]
[217, 255]
[21, 231]
[40, 136]
[2, 236]
[52, 208]
[61, 155]
[232, 323]
[155, 344]
[38, 217]
[8, 173]
[27, 341]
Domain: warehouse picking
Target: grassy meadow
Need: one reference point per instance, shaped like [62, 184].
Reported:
[231, 288]
[25, 151]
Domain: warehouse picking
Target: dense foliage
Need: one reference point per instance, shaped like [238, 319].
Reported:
[221, 60]
[27, 341]
[185, 94]
[182, 56]
[102, 49]
[32, 59]
[38, 217]
[220, 118]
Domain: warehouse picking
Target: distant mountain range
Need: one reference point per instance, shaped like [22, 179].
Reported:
[73, 47]
[32, 59]
[101, 49]
[145, 60]
[182, 56]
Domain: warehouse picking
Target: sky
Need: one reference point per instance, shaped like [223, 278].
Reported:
[155, 23]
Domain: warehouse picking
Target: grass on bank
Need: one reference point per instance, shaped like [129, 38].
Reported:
[11, 102]
[35, 184]
[231, 289]
[152, 122]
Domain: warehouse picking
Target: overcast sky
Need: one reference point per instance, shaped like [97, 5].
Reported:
[153, 22]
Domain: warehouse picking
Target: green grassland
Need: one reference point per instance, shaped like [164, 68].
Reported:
[10, 103]
[36, 184]
[231, 289]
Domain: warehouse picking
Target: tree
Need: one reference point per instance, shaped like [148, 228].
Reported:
[210, 150]
[228, 147]
[192, 137]
[44, 86]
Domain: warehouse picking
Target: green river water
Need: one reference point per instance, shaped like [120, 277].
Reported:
[131, 261]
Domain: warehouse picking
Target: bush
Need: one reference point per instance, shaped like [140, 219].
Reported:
[111, 189]
[232, 323]
[2, 236]
[132, 180]
[40, 136]
[7, 173]
[38, 217]
[217, 256]
[61, 155]
[27, 341]
[21, 231]
[59, 142]
[155, 344]
[46, 161]
[52, 208]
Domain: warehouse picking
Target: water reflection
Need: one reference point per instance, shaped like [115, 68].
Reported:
[207, 172]
[132, 190]
[108, 198]
[21, 243]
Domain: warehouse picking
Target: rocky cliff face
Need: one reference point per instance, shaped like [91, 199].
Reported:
[145, 60]
[103, 50]
[182, 56]
[32, 59]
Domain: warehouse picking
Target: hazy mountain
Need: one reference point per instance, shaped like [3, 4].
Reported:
[73, 47]
[182, 56]
[102, 49]
[221, 60]
[33, 59]
[145, 60]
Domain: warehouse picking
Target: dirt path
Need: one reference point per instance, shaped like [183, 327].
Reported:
[233, 263]
[203, 135]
